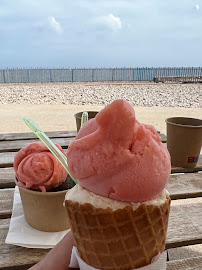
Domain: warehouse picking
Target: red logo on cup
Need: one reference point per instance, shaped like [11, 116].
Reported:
[192, 159]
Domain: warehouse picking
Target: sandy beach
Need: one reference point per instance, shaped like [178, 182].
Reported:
[53, 105]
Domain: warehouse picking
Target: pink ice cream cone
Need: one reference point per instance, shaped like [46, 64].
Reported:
[119, 210]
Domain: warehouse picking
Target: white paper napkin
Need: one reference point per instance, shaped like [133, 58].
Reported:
[22, 234]
[158, 262]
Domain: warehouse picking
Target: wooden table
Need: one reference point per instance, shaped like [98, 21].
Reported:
[185, 222]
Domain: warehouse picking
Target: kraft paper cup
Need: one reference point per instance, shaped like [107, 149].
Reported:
[44, 211]
[184, 140]
[91, 114]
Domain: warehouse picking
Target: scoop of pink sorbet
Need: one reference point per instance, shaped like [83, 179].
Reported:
[36, 167]
[115, 156]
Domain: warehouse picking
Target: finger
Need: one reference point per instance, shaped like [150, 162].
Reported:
[59, 256]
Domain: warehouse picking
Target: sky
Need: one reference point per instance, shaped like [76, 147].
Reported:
[100, 33]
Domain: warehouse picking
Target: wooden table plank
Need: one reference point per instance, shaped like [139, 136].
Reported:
[6, 159]
[11, 146]
[184, 227]
[184, 222]
[7, 176]
[8, 145]
[6, 202]
[194, 263]
[180, 186]
[31, 135]
[51, 134]
[188, 185]
[20, 258]
[14, 257]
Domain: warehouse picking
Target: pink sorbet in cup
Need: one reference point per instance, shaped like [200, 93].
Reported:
[37, 168]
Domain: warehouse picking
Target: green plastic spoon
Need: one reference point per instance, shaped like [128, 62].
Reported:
[49, 144]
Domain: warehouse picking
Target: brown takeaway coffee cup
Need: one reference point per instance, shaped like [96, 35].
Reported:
[91, 114]
[184, 140]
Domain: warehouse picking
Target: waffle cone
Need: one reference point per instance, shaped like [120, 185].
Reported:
[118, 240]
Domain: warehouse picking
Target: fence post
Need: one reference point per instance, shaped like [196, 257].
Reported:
[50, 76]
[72, 75]
[4, 76]
[92, 74]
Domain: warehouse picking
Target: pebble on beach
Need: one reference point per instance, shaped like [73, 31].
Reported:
[138, 94]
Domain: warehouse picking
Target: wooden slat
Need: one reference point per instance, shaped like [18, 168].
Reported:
[181, 186]
[50, 134]
[184, 222]
[4, 225]
[31, 135]
[7, 177]
[184, 227]
[11, 146]
[194, 263]
[22, 257]
[13, 257]
[6, 159]
[188, 170]
[6, 202]
[8, 149]
[185, 252]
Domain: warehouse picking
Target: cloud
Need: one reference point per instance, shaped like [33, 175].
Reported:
[129, 26]
[197, 7]
[111, 21]
[55, 25]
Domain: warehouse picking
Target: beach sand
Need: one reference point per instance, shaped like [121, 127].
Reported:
[53, 105]
[61, 117]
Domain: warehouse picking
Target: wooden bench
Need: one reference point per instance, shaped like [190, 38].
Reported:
[178, 79]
